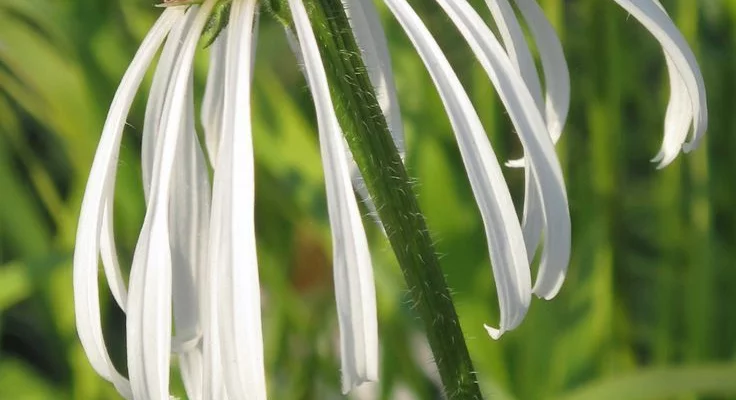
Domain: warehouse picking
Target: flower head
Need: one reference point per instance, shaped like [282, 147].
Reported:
[195, 262]
[197, 246]
[538, 113]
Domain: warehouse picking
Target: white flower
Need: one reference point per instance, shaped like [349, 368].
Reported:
[546, 198]
[195, 261]
[197, 246]
[538, 114]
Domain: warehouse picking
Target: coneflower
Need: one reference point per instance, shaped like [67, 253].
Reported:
[197, 244]
[195, 262]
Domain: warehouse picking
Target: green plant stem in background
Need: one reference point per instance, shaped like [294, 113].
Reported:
[388, 183]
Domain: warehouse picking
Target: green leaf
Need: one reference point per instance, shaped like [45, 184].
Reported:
[15, 285]
[19, 382]
[718, 380]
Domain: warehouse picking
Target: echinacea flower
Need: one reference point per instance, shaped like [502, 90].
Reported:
[539, 117]
[197, 245]
[195, 262]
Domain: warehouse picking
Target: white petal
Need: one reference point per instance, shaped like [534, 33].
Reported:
[554, 66]
[355, 176]
[150, 143]
[533, 221]
[557, 105]
[678, 118]
[214, 94]
[505, 241]
[538, 146]
[148, 327]
[152, 121]
[188, 226]
[233, 244]
[521, 58]
[212, 108]
[191, 366]
[516, 47]
[213, 382]
[651, 14]
[679, 114]
[354, 286]
[108, 251]
[86, 291]
[371, 40]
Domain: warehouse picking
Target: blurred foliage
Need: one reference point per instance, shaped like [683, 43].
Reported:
[647, 312]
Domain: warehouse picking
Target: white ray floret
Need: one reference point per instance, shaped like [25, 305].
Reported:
[149, 313]
[526, 117]
[233, 245]
[554, 67]
[96, 197]
[505, 240]
[686, 81]
[354, 286]
[554, 104]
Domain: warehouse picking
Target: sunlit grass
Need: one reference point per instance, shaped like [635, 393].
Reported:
[647, 310]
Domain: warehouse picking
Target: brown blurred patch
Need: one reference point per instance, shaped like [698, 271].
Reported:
[311, 272]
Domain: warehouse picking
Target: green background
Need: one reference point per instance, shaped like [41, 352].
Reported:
[648, 310]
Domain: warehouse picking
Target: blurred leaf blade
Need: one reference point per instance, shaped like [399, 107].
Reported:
[660, 383]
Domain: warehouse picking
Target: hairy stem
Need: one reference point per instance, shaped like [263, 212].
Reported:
[389, 185]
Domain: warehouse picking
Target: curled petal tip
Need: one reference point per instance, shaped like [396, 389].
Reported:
[494, 333]
[665, 157]
[347, 387]
[687, 147]
[517, 163]
[658, 158]
[544, 290]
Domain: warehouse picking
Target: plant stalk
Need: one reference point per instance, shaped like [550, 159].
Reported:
[389, 185]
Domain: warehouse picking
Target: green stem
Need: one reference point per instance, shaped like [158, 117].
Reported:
[388, 183]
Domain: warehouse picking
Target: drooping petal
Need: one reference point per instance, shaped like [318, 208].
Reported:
[98, 190]
[679, 115]
[188, 209]
[505, 241]
[651, 14]
[678, 118]
[108, 251]
[188, 226]
[150, 127]
[355, 176]
[538, 146]
[212, 116]
[354, 286]
[213, 385]
[533, 222]
[521, 58]
[150, 141]
[235, 281]
[148, 329]
[556, 103]
[214, 94]
[554, 66]
[517, 47]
